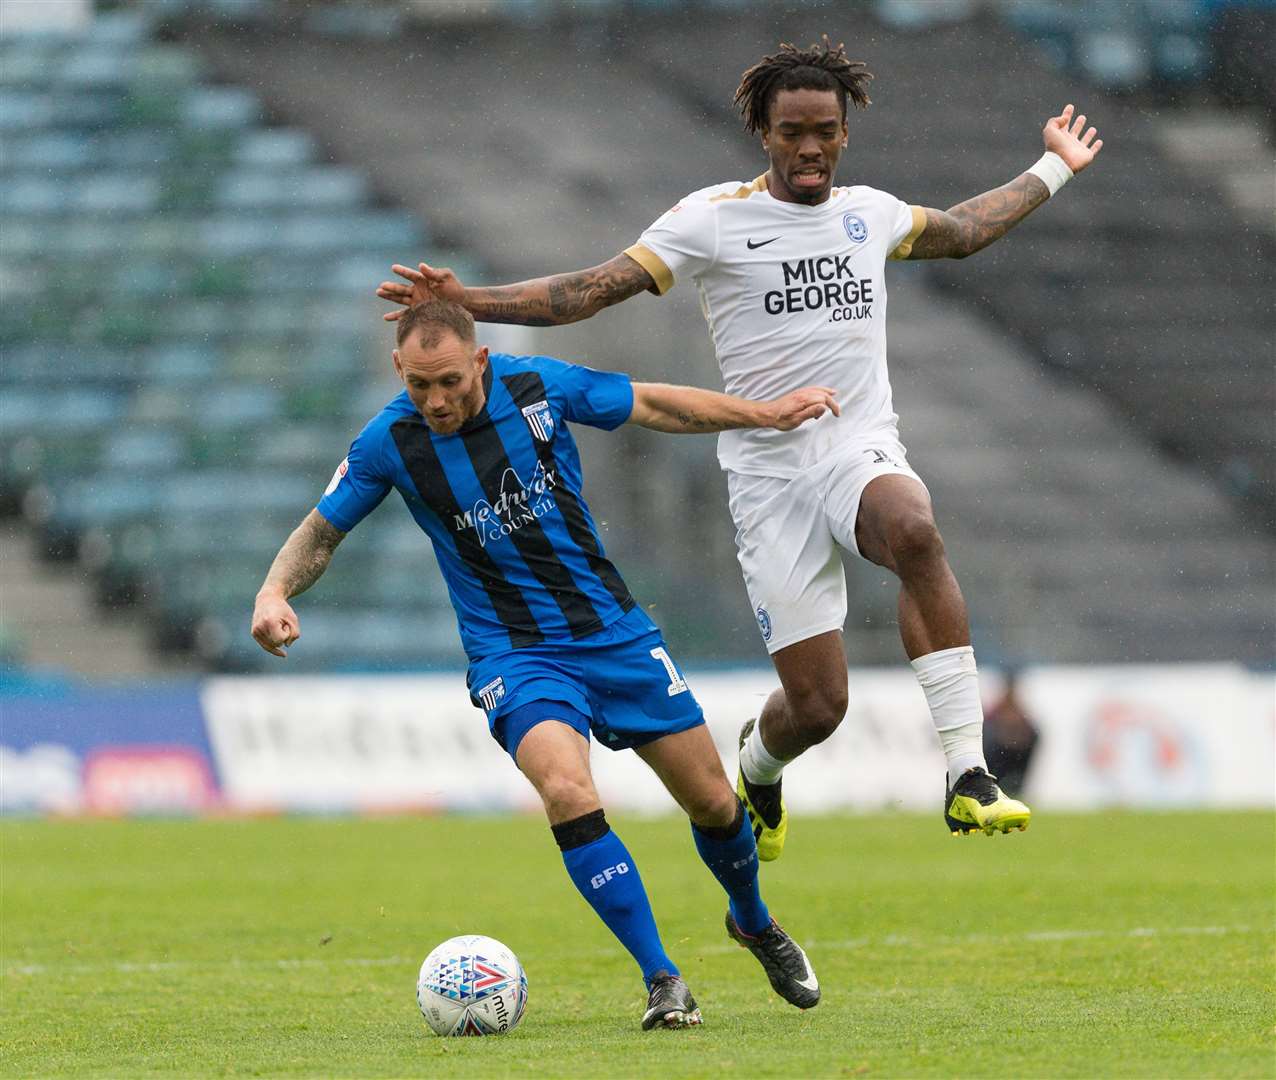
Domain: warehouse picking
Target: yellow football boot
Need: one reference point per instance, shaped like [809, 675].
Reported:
[976, 804]
[764, 804]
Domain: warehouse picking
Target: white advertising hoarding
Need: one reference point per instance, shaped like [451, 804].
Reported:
[1148, 736]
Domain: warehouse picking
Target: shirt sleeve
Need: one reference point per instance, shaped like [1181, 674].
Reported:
[907, 224]
[683, 240]
[601, 399]
[358, 485]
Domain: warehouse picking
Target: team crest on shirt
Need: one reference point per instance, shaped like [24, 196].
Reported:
[540, 420]
[855, 228]
[490, 694]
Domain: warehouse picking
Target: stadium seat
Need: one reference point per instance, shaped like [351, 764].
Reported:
[1113, 59]
[231, 405]
[104, 501]
[357, 21]
[220, 107]
[274, 148]
[312, 188]
[165, 66]
[114, 194]
[91, 69]
[78, 409]
[151, 450]
[122, 27]
[1181, 58]
[58, 150]
[917, 14]
[25, 110]
[33, 198]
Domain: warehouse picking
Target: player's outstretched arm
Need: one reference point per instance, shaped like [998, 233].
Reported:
[299, 564]
[547, 301]
[688, 410]
[972, 225]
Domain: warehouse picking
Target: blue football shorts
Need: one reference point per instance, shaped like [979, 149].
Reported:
[620, 683]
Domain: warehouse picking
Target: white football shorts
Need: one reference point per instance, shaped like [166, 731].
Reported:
[788, 533]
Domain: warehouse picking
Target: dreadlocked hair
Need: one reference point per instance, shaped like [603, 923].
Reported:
[820, 67]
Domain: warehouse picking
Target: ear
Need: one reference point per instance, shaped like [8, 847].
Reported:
[846, 134]
[480, 358]
[398, 364]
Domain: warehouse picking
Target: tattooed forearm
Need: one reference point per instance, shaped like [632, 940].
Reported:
[694, 422]
[304, 556]
[687, 410]
[558, 295]
[508, 304]
[563, 298]
[972, 225]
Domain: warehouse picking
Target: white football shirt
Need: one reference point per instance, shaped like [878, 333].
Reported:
[794, 296]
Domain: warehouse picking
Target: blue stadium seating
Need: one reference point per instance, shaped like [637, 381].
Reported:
[1120, 44]
[190, 341]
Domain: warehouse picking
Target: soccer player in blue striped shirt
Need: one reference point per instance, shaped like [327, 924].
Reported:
[478, 446]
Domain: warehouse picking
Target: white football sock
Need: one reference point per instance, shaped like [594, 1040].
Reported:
[950, 681]
[756, 761]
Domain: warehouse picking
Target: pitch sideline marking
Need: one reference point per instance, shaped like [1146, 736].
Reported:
[130, 967]
[848, 944]
[1010, 939]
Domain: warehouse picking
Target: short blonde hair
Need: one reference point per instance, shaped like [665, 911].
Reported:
[434, 318]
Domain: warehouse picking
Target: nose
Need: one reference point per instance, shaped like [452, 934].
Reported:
[809, 149]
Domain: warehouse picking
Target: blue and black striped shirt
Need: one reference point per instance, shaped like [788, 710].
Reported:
[501, 501]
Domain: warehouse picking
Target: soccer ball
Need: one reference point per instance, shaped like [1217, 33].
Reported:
[472, 985]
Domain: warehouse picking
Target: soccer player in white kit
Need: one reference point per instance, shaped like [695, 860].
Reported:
[791, 274]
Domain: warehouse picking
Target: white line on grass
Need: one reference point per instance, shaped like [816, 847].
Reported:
[128, 967]
[897, 940]
[888, 941]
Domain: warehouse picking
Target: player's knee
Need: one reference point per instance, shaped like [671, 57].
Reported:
[818, 712]
[915, 540]
[715, 806]
[566, 796]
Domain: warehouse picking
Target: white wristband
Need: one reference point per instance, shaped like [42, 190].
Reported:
[1052, 171]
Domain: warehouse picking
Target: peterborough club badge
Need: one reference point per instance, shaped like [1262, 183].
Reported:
[855, 228]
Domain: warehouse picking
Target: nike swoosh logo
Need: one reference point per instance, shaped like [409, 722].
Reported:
[761, 243]
[810, 982]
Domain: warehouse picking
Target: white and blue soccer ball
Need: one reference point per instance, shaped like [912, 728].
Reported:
[472, 985]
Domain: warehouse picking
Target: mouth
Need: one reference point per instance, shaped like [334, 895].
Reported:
[808, 176]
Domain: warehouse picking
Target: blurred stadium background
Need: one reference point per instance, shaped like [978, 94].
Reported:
[197, 200]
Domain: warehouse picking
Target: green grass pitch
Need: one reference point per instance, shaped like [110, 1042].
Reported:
[1114, 945]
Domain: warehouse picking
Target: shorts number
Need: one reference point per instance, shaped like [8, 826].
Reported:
[676, 683]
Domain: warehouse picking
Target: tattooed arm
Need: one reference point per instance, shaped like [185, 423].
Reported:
[299, 564]
[547, 301]
[687, 410]
[972, 225]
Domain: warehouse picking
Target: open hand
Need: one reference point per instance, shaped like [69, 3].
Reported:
[1063, 135]
[809, 403]
[275, 624]
[422, 284]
